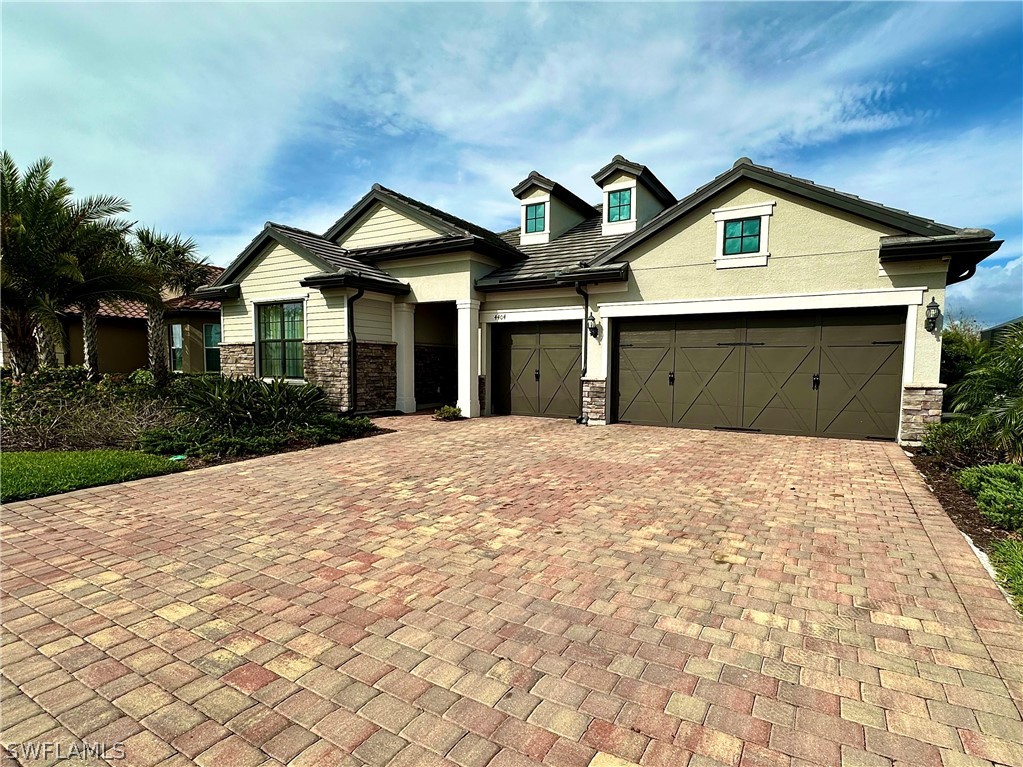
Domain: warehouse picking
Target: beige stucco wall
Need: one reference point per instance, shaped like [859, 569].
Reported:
[450, 277]
[122, 345]
[275, 276]
[383, 226]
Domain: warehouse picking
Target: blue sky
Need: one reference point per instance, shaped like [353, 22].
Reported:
[213, 118]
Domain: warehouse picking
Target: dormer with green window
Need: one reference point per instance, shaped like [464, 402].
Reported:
[632, 196]
[742, 234]
[547, 209]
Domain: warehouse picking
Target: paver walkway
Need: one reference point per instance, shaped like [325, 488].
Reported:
[513, 591]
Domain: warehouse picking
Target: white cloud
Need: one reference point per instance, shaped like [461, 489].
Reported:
[994, 294]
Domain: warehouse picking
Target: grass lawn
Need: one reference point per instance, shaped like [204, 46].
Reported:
[31, 475]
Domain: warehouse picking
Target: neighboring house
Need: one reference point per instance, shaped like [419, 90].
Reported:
[996, 332]
[759, 302]
[193, 334]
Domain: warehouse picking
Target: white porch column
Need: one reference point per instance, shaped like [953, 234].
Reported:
[405, 338]
[468, 357]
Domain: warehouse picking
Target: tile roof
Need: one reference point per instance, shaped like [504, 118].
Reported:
[186, 303]
[332, 253]
[459, 223]
[581, 243]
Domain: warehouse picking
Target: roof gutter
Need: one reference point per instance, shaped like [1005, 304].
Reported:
[618, 273]
[232, 290]
[357, 280]
[963, 251]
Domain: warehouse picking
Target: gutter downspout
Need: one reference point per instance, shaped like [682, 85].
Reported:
[582, 419]
[353, 391]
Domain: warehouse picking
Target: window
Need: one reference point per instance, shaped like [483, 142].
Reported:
[280, 340]
[177, 347]
[742, 236]
[535, 218]
[211, 347]
[619, 205]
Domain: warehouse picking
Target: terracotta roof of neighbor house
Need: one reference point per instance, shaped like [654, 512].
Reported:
[130, 309]
[191, 303]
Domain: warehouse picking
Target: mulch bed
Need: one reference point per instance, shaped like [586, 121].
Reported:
[958, 504]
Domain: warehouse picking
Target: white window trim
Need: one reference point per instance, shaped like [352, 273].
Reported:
[205, 348]
[170, 346]
[535, 238]
[764, 210]
[844, 299]
[255, 303]
[618, 227]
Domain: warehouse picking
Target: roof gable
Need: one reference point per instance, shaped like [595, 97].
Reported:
[744, 168]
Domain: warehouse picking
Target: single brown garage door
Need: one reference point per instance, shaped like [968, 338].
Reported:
[536, 368]
[834, 374]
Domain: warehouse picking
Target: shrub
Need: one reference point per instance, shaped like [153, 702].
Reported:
[1007, 557]
[961, 350]
[992, 394]
[31, 475]
[957, 444]
[999, 493]
[229, 405]
[61, 409]
[448, 413]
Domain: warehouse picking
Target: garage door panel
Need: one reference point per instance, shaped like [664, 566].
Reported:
[559, 378]
[644, 394]
[778, 391]
[708, 383]
[860, 393]
[536, 368]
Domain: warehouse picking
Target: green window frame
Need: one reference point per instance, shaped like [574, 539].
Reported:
[211, 346]
[536, 216]
[281, 333]
[176, 344]
[619, 205]
[742, 236]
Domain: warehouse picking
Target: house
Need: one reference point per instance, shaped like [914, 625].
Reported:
[996, 333]
[758, 302]
[193, 334]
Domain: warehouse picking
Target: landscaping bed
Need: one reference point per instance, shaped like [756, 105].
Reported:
[66, 432]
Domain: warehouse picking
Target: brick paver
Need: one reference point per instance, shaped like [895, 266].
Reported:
[513, 591]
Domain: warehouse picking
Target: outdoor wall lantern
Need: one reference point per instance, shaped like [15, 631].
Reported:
[592, 326]
[931, 317]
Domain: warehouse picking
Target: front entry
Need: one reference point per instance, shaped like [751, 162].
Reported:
[835, 374]
[536, 368]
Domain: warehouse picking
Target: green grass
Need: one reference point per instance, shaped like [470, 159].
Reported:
[31, 475]
[1007, 557]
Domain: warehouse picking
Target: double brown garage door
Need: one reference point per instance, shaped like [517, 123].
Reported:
[835, 374]
[536, 368]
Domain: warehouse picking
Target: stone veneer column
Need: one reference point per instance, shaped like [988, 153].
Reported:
[595, 401]
[376, 378]
[405, 338]
[468, 357]
[237, 360]
[921, 407]
[326, 365]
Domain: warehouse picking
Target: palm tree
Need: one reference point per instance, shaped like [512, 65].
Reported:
[173, 266]
[992, 394]
[41, 227]
[110, 272]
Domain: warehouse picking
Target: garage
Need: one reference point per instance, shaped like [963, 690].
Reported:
[832, 373]
[536, 368]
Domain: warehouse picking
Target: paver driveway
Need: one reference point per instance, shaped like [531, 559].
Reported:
[511, 591]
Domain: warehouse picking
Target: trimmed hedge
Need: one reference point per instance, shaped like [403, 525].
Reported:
[999, 493]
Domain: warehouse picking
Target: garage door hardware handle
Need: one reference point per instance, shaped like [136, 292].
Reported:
[536, 374]
[741, 343]
[816, 381]
[671, 378]
[886, 343]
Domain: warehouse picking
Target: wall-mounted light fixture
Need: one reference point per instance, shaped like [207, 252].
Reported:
[592, 326]
[931, 316]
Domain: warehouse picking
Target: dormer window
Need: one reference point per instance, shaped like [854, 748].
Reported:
[619, 205]
[535, 217]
